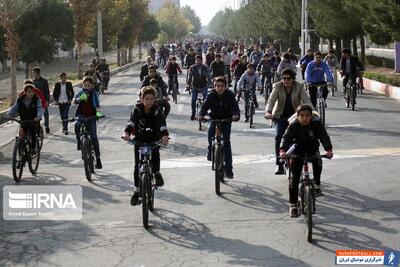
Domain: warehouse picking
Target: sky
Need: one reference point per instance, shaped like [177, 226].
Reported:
[206, 9]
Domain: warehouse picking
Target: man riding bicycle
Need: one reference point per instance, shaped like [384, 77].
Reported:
[172, 70]
[161, 97]
[306, 133]
[315, 74]
[265, 68]
[248, 83]
[350, 68]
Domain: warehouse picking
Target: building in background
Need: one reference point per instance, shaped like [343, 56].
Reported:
[155, 5]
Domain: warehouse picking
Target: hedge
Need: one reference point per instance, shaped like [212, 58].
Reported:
[380, 62]
[392, 80]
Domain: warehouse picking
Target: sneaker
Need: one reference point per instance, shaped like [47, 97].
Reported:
[135, 199]
[293, 211]
[98, 164]
[159, 179]
[209, 155]
[47, 130]
[247, 119]
[78, 146]
[66, 132]
[192, 117]
[256, 105]
[229, 174]
[280, 170]
[317, 190]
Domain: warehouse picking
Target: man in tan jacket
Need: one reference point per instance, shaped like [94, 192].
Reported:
[286, 96]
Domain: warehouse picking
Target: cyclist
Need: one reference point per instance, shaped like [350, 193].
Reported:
[154, 75]
[306, 133]
[265, 68]
[29, 109]
[239, 70]
[286, 96]
[88, 103]
[210, 56]
[92, 72]
[227, 59]
[249, 82]
[199, 79]
[286, 63]
[144, 71]
[104, 71]
[147, 125]
[172, 70]
[217, 67]
[292, 56]
[256, 56]
[315, 72]
[222, 104]
[305, 60]
[332, 60]
[161, 97]
[350, 67]
[190, 58]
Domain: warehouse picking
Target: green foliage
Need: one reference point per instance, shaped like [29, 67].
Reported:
[392, 80]
[44, 29]
[380, 62]
[150, 29]
[3, 53]
[190, 14]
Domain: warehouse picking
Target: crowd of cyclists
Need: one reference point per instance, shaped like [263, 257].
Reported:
[219, 71]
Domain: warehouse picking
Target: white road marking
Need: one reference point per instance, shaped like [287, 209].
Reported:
[180, 108]
[261, 130]
[344, 126]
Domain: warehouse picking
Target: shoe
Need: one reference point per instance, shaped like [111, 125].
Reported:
[192, 117]
[229, 174]
[209, 155]
[318, 192]
[78, 146]
[98, 164]
[66, 132]
[246, 119]
[293, 211]
[159, 179]
[135, 199]
[256, 105]
[47, 130]
[178, 93]
[326, 105]
[279, 170]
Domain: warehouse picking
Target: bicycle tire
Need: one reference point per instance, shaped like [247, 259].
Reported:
[321, 107]
[217, 164]
[86, 147]
[174, 92]
[308, 211]
[353, 98]
[251, 115]
[145, 208]
[40, 137]
[348, 97]
[18, 158]
[34, 165]
[222, 168]
[151, 194]
[198, 107]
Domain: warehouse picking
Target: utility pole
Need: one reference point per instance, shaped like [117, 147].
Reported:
[99, 34]
[302, 29]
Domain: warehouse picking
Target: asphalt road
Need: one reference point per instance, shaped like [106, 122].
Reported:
[248, 225]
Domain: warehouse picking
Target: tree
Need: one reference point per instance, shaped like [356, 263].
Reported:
[150, 29]
[10, 12]
[192, 17]
[44, 30]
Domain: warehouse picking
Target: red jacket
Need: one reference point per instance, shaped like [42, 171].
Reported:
[173, 68]
[40, 94]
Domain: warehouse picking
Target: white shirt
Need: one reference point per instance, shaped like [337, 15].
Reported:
[63, 94]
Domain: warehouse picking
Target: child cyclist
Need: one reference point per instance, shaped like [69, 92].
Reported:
[148, 125]
[223, 105]
[306, 133]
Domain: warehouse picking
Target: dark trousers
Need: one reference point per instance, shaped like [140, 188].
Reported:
[46, 118]
[195, 93]
[228, 72]
[280, 128]
[246, 100]
[155, 163]
[296, 167]
[64, 112]
[314, 92]
[91, 127]
[170, 82]
[164, 104]
[226, 141]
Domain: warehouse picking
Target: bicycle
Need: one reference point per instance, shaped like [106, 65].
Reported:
[251, 110]
[306, 196]
[23, 153]
[351, 93]
[199, 105]
[359, 86]
[175, 88]
[321, 104]
[267, 88]
[147, 182]
[217, 154]
[103, 85]
[87, 149]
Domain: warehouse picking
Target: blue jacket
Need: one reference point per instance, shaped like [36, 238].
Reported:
[315, 72]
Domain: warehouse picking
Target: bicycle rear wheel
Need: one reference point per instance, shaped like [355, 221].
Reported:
[251, 115]
[198, 107]
[308, 199]
[321, 109]
[18, 160]
[86, 156]
[145, 207]
[348, 96]
[151, 191]
[353, 98]
[40, 137]
[217, 167]
[33, 160]
[175, 92]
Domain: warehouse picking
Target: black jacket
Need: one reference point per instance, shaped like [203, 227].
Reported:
[355, 65]
[217, 69]
[144, 71]
[160, 82]
[43, 85]
[307, 138]
[147, 127]
[221, 107]
[57, 89]
[240, 69]
[30, 112]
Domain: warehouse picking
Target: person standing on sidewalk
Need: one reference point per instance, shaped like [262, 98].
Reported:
[43, 85]
[63, 95]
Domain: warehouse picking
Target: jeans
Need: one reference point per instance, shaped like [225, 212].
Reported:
[64, 111]
[246, 101]
[155, 163]
[92, 129]
[228, 73]
[46, 118]
[195, 92]
[226, 141]
[281, 125]
[314, 92]
[296, 167]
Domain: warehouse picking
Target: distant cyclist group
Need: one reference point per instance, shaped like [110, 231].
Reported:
[219, 73]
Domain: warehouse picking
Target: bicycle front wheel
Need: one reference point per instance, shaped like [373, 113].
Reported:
[308, 199]
[145, 197]
[353, 98]
[321, 109]
[150, 188]
[40, 137]
[251, 115]
[86, 155]
[18, 160]
[33, 160]
[218, 167]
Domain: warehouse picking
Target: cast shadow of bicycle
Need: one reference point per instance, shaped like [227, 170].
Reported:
[338, 213]
[182, 231]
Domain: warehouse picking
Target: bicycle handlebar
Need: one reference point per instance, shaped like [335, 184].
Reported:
[152, 144]
[83, 119]
[24, 121]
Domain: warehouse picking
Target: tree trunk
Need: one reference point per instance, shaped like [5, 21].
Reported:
[330, 44]
[355, 50]
[314, 42]
[27, 70]
[362, 44]
[130, 56]
[346, 43]
[80, 64]
[13, 78]
[338, 44]
[140, 50]
[119, 57]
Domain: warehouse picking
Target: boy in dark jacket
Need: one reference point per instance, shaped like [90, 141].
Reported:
[148, 125]
[222, 104]
[172, 70]
[306, 133]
